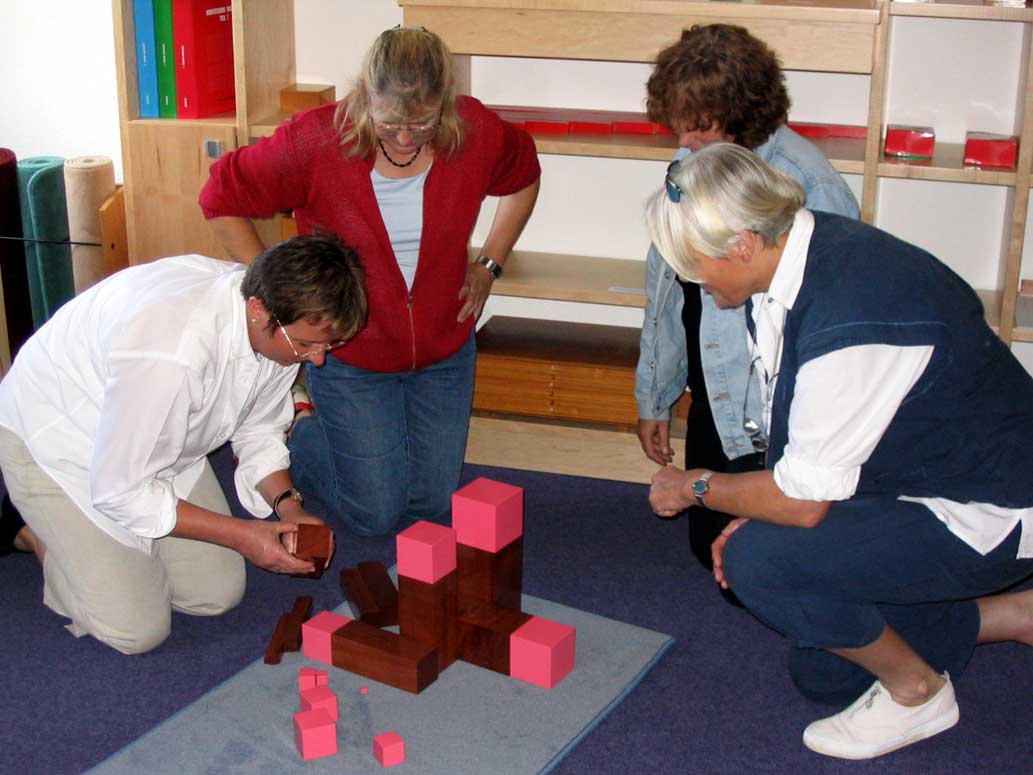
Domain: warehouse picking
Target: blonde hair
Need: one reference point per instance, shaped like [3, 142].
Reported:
[726, 189]
[409, 70]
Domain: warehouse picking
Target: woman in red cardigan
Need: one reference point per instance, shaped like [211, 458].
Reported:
[398, 169]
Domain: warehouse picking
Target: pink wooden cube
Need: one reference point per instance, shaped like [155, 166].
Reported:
[541, 652]
[320, 697]
[426, 552]
[487, 514]
[389, 749]
[315, 734]
[315, 635]
[309, 677]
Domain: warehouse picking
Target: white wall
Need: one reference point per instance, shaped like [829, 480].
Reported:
[57, 97]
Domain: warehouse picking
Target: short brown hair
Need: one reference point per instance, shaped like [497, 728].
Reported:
[311, 277]
[719, 74]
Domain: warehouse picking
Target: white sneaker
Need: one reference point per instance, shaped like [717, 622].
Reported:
[875, 724]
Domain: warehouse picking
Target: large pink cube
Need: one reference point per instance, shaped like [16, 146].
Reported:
[426, 552]
[487, 514]
[389, 749]
[541, 652]
[310, 677]
[320, 697]
[315, 635]
[315, 734]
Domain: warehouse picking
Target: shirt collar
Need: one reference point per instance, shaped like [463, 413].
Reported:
[788, 277]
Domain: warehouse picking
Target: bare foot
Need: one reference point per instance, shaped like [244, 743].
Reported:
[28, 541]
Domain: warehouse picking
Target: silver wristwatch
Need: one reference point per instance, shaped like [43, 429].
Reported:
[701, 487]
[492, 266]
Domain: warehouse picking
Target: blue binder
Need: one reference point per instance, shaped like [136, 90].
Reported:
[146, 61]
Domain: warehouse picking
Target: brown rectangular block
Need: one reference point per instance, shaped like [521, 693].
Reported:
[315, 544]
[274, 651]
[302, 96]
[492, 578]
[295, 618]
[428, 614]
[379, 583]
[484, 631]
[384, 656]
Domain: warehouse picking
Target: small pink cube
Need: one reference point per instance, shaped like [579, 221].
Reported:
[315, 635]
[315, 734]
[389, 749]
[310, 677]
[541, 652]
[487, 514]
[320, 697]
[426, 552]
[364, 690]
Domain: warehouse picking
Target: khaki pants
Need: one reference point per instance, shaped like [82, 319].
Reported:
[115, 593]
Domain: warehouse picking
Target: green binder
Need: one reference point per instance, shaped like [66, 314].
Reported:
[166, 58]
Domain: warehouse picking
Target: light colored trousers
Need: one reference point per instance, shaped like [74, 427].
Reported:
[113, 592]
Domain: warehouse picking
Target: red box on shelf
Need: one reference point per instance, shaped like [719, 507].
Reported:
[913, 142]
[818, 130]
[990, 149]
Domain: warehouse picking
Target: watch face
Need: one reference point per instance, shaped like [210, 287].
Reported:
[699, 487]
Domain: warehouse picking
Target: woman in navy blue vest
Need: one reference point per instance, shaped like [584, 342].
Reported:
[896, 498]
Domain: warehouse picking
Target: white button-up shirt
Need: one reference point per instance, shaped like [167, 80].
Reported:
[842, 405]
[125, 391]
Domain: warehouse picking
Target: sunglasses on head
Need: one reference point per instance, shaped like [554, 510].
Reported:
[673, 191]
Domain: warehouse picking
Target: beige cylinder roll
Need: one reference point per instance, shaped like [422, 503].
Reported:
[89, 181]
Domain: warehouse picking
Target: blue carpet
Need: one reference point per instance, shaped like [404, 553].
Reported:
[718, 703]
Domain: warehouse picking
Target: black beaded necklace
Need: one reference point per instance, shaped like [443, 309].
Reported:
[388, 157]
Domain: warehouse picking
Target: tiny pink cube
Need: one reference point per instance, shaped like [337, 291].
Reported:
[315, 635]
[315, 734]
[320, 697]
[364, 690]
[389, 749]
[487, 514]
[541, 652]
[310, 677]
[426, 552]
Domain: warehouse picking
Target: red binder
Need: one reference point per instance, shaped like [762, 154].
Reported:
[202, 32]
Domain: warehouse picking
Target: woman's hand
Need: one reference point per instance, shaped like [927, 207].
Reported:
[474, 292]
[666, 495]
[289, 539]
[655, 438]
[717, 549]
[264, 543]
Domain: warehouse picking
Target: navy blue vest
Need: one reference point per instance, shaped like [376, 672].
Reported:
[965, 430]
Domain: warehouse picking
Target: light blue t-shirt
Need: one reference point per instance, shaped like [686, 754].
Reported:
[401, 207]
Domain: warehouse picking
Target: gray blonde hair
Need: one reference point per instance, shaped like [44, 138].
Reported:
[726, 189]
[409, 69]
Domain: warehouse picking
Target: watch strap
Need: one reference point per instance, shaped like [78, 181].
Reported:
[700, 488]
[290, 493]
[491, 265]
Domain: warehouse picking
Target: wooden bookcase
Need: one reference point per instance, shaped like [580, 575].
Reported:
[165, 162]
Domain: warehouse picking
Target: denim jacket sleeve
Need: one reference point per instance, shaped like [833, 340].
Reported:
[663, 370]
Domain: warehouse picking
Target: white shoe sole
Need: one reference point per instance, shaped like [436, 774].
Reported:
[859, 751]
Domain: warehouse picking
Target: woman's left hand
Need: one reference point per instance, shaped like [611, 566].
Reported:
[475, 290]
[717, 549]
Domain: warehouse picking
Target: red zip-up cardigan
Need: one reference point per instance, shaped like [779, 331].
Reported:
[301, 168]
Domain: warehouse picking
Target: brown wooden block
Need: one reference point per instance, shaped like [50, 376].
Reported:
[484, 631]
[383, 590]
[491, 578]
[274, 651]
[315, 544]
[383, 656]
[295, 618]
[428, 613]
[302, 96]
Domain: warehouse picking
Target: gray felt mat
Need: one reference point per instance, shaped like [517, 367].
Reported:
[468, 721]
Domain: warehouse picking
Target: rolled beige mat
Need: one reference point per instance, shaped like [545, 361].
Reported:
[89, 181]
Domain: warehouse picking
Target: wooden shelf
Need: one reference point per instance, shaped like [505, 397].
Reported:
[963, 9]
[266, 126]
[221, 120]
[991, 308]
[559, 277]
[946, 166]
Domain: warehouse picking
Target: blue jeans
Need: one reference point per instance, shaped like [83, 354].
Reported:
[381, 446]
[871, 563]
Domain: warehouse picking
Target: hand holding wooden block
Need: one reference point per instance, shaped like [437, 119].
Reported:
[314, 543]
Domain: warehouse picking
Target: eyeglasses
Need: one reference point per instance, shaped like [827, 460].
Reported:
[416, 130]
[673, 191]
[316, 350]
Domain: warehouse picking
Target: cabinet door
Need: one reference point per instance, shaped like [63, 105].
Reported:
[169, 167]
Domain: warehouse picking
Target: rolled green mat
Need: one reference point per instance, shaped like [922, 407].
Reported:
[41, 189]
